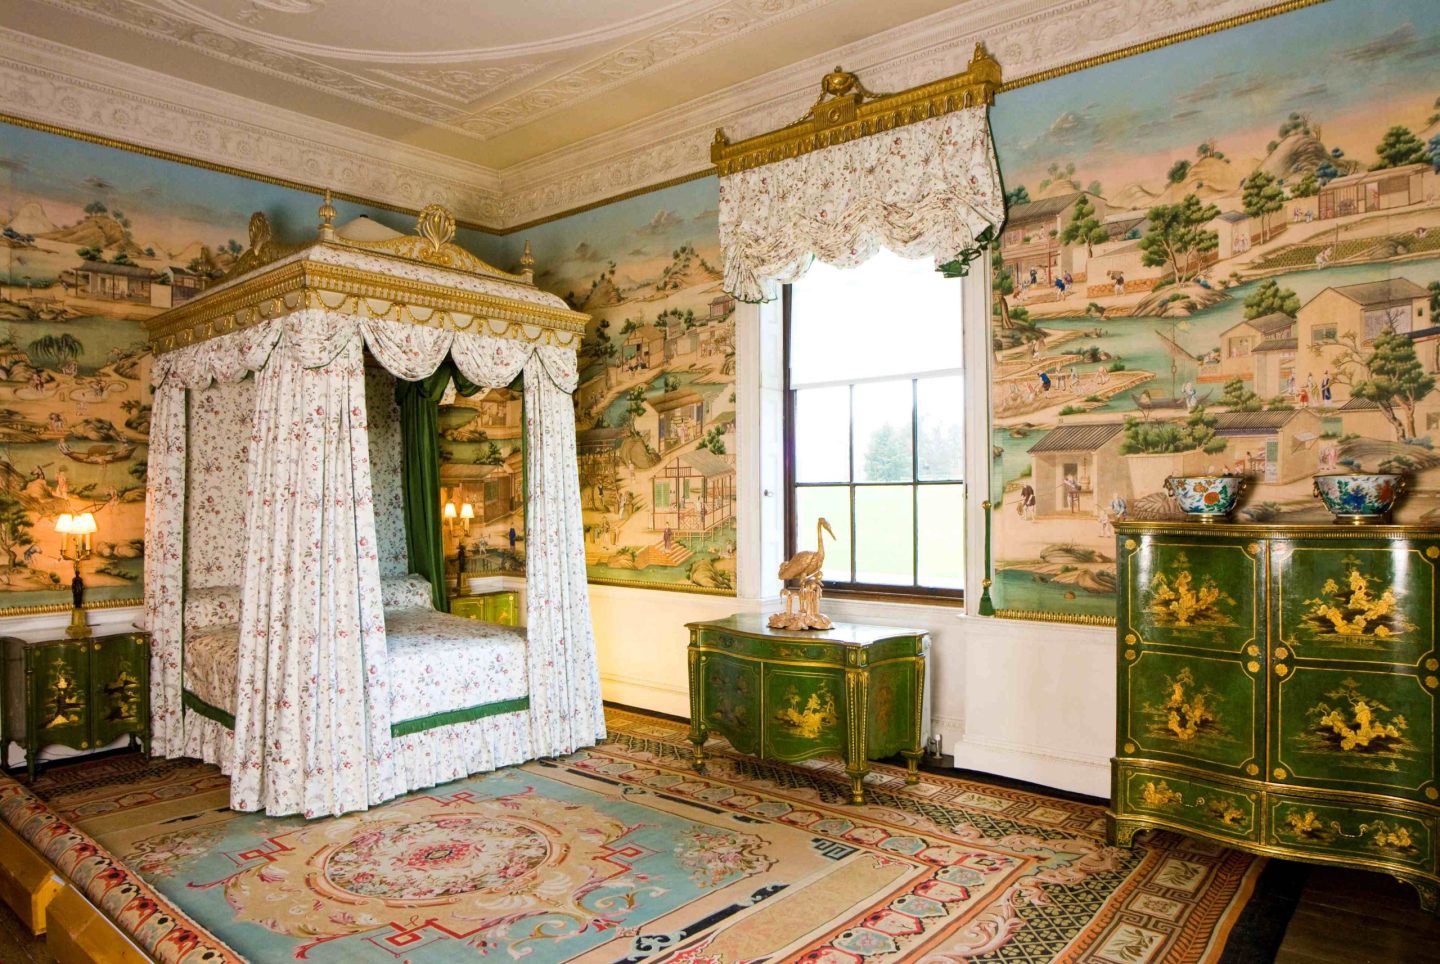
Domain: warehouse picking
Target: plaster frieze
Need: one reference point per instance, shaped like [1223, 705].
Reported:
[57, 85]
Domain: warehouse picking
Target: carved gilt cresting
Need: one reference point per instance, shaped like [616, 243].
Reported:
[846, 110]
[259, 287]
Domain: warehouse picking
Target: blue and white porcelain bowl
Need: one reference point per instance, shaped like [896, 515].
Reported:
[1206, 497]
[1360, 497]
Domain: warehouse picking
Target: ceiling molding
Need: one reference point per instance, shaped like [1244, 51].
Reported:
[59, 86]
[1027, 38]
[56, 85]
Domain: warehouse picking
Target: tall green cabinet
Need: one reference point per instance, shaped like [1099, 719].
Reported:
[1277, 691]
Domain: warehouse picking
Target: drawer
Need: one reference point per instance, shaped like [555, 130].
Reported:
[787, 651]
[1383, 835]
[1190, 801]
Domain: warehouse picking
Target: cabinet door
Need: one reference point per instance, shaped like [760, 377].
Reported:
[1352, 677]
[502, 608]
[731, 690]
[804, 712]
[117, 687]
[894, 706]
[471, 607]
[61, 694]
[1191, 632]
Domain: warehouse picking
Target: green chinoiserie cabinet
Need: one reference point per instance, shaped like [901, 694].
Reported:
[1277, 691]
[81, 693]
[501, 606]
[852, 691]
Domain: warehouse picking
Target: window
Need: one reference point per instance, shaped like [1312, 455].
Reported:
[1324, 334]
[874, 424]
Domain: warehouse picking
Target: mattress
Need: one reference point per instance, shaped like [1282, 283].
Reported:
[443, 669]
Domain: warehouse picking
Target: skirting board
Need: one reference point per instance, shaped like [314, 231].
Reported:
[1078, 774]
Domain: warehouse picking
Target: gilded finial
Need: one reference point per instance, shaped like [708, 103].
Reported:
[436, 225]
[327, 217]
[527, 259]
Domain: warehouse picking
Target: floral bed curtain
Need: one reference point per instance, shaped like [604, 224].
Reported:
[312, 722]
[927, 189]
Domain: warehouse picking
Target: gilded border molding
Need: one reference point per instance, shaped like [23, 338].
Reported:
[1040, 616]
[854, 112]
[47, 608]
[638, 584]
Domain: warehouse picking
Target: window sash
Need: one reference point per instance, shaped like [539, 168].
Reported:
[851, 485]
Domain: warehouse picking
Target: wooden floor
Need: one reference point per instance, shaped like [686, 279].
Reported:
[1351, 917]
[1343, 917]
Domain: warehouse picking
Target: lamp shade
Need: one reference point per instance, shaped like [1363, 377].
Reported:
[65, 525]
[467, 511]
[449, 510]
[84, 524]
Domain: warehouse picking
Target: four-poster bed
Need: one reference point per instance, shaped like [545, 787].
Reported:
[290, 498]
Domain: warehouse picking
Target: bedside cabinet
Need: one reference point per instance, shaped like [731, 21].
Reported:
[80, 693]
[499, 606]
[852, 691]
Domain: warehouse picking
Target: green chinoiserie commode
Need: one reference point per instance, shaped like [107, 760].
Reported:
[1277, 691]
[82, 693]
[852, 691]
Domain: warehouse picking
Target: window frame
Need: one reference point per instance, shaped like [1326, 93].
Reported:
[847, 587]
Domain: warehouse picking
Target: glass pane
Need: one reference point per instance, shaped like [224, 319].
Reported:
[942, 536]
[885, 535]
[883, 427]
[822, 435]
[831, 503]
[940, 408]
[889, 316]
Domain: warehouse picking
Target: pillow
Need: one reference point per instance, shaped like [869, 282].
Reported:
[215, 606]
[402, 593]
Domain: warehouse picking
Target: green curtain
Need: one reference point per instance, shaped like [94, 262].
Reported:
[419, 403]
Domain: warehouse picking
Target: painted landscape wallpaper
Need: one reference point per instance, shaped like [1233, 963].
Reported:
[1220, 256]
[93, 241]
[655, 407]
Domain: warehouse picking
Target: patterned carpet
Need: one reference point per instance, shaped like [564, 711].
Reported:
[623, 853]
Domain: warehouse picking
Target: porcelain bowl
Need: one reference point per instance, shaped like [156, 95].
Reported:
[1360, 497]
[1207, 497]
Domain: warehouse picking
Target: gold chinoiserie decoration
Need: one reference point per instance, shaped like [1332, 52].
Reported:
[846, 110]
[1284, 699]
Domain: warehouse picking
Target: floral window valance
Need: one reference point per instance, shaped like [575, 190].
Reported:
[914, 172]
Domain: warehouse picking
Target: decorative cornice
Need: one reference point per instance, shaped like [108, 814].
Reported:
[1027, 38]
[55, 87]
[50, 84]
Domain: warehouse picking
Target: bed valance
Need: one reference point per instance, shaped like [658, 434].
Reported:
[914, 172]
[312, 729]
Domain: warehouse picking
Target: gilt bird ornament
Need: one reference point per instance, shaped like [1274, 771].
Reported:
[805, 569]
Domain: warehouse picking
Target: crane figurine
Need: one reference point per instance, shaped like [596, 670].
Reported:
[804, 568]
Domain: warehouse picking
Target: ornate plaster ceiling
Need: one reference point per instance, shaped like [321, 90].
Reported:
[488, 82]
[507, 112]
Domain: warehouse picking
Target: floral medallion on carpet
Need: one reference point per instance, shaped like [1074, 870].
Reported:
[624, 853]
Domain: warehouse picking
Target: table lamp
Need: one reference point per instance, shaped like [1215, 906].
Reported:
[75, 532]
